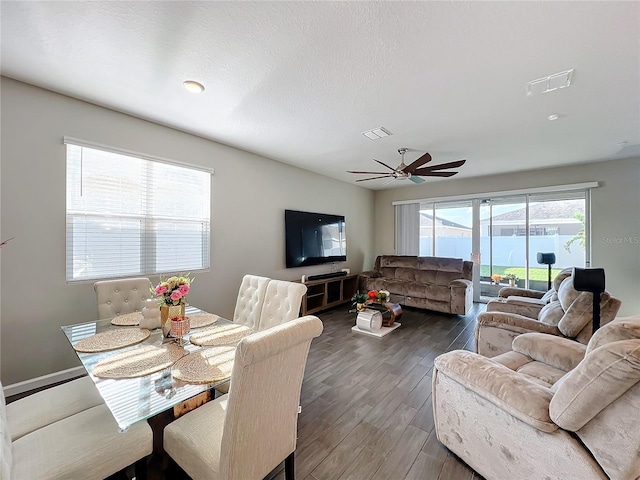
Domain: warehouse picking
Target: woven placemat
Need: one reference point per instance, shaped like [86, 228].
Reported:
[199, 320]
[139, 361]
[223, 335]
[127, 320]
[205, 366]
[111, 340]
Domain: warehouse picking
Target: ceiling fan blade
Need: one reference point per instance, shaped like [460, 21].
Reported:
[415, 179]
[426, 158]
[441, 166]
[381, 163]
[373, 178]
[372, 173]
[433, 174]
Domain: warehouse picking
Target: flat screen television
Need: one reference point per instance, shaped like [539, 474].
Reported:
[314, 238]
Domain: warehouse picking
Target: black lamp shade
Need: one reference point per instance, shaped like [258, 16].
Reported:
[588, 279]
[546, 258]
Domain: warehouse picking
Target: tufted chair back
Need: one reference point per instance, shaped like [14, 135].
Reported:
[250, 300]
[281, 304]
[120, 296]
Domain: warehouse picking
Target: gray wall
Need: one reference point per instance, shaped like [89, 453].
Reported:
[615, 214]
[249, 196]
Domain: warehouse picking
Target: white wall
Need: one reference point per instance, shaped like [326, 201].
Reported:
[249, 196]
[615, 214]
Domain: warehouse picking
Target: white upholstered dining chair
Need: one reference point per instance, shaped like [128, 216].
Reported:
[122, 295]
[281, 304]
[83, 445]
[250, 300]
[246, 434]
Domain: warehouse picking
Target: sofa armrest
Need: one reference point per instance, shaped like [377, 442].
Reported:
[461, 283]
[370, 274]
[515, 323]
[514, 393]
[558, 352]
[519, 292]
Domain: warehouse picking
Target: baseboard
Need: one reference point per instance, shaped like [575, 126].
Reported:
[43, 381]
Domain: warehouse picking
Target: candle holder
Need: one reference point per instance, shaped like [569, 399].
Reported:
[180, 326]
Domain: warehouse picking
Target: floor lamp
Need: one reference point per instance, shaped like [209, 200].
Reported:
[590, 280]
[547, 259]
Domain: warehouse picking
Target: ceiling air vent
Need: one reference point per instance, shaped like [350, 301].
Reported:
[377, 133]
[550, 83]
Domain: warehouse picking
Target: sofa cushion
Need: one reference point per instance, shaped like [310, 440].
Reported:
[399, 287]
[406, 274]
[426, 276]
[624, 328]
[441, 264]
[398, 261]
[604, 375]
[552, 313]
[438, 293]
[388, 272]
[445, 278]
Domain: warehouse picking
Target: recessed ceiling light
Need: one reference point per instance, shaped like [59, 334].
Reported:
[553, 116]
[193, 86]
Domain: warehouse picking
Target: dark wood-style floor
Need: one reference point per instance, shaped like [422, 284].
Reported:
[366, 402]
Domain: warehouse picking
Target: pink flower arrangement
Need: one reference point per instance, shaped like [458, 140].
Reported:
[173, 290]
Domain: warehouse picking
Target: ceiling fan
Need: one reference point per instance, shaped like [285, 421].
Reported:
[413, 171]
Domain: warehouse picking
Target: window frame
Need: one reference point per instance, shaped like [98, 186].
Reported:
[147, 255]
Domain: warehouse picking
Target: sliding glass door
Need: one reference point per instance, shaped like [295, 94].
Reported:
[514, 229]
[503, 242]
[503, 235]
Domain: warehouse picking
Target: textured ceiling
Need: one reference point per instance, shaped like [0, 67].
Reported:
[299, 81]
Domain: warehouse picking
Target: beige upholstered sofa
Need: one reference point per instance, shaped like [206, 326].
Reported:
[550, 409]
[571, 316]
[524, 301]
[433, 283]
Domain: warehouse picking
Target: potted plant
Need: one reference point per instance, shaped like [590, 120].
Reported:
[513, 278]
[359, 299]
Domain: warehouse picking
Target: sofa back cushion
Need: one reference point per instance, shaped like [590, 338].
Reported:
[428, 270]
[395, 261]
[623, 328]
[408, 274]
[604, 375]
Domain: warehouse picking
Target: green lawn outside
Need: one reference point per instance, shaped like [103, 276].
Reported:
[534, 273]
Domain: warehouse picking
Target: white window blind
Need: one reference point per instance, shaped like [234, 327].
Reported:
[128, 215]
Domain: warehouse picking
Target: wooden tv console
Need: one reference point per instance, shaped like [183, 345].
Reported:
[328, 292]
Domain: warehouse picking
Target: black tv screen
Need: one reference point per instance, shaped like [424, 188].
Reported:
[314, 238]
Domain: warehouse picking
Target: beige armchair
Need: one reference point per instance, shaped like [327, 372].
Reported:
[570, 316]
[524, 301]
[246, 434]
[120, 296]
[551, 408]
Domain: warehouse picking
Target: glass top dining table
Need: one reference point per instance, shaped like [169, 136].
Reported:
[134, 399]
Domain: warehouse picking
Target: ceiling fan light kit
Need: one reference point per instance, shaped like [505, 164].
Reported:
[413, 171]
